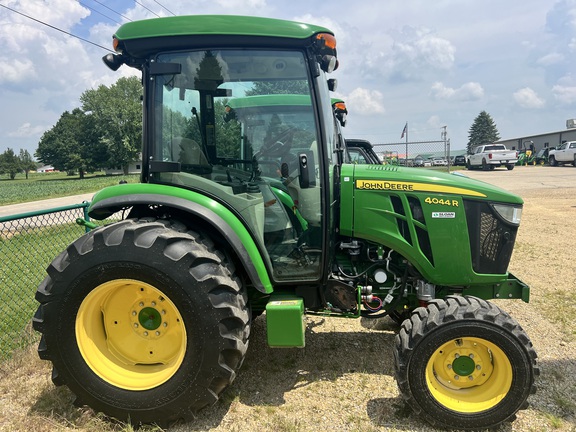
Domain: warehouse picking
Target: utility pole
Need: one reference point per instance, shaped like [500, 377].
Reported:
[444, 135]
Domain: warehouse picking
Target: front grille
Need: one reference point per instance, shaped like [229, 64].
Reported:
[491, 238]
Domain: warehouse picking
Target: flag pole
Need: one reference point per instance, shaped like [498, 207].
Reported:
[406, 157]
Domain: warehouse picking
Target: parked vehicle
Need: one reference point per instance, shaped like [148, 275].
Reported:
[490, 156]
[362, 152]
[148, 319]
[526, 157]
[418, 161]
[565, 153]
[460, 160]
[439, 162]
[541, 157]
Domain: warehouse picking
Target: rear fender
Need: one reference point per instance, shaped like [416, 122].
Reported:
[115, 198]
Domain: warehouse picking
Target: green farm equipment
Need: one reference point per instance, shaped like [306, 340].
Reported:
[248, 205]
[526, 157]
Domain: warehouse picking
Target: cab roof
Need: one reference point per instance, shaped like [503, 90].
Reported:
[140, 39]
[217, 25]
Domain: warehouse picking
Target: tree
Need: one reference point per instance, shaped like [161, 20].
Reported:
[117, 114]
[9, 163]
[26, 162]
[482, 131]
[73, 144]
[279, 87]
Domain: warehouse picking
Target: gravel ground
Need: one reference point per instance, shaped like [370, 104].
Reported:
[343, 379]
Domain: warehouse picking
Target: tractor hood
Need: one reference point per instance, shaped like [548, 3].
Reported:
[417, 212]
[402, 179]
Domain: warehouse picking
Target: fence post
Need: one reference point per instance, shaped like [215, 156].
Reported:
[86, 217]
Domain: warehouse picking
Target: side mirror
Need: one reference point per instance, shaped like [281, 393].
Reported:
[113, 61]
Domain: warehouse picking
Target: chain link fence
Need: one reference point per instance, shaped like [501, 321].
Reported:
[28, 243]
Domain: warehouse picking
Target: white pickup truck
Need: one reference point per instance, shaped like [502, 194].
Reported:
[563, 154]
[490, 156]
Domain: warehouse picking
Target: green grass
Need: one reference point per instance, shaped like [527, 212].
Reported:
[41, 186]
[25, 256]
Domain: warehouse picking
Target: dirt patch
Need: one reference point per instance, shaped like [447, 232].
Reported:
[343, 380]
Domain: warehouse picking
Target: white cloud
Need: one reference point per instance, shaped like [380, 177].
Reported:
[434, 121]
[466, 92]
[27, 130]
[417, 51]
[564, 94]
[235, 4]
[528, 98]
[551, 59]
[411, 54]
[364, 101]
[16, 70]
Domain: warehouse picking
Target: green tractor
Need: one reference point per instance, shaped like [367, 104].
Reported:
[245, 209]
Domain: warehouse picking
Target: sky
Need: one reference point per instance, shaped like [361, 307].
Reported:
[428, 64]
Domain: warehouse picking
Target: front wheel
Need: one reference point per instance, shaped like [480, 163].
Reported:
[552, 161]
[143, 320]
[463, 363]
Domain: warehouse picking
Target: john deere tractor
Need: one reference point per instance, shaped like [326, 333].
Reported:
[248, 206]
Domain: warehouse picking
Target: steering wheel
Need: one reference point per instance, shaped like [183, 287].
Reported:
[275, 149]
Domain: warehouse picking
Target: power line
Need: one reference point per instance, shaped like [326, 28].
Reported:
[56, 28]
[118, 13]
[164, 7]
[99, 13]
[149, 10]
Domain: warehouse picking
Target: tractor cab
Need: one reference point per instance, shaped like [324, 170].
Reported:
[242, 121]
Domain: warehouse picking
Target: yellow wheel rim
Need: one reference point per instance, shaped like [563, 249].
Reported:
[130, 334]
[469, 375]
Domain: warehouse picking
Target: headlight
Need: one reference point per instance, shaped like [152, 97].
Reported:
[509, 213]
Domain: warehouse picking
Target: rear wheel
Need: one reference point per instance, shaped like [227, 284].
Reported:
[143, 321]
[463, 363]
[509, 167]
[485, 165]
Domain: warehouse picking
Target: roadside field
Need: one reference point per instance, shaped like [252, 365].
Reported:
[343, 380]
[41, 186]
